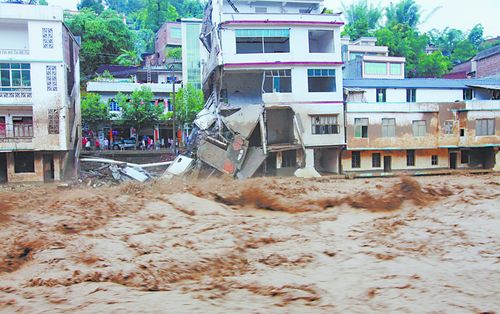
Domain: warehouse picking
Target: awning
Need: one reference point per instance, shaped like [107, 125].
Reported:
[495, 87]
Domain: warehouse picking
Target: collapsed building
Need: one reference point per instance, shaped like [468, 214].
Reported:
[274, 76]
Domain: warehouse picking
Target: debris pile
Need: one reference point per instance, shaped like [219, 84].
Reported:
[110, 171]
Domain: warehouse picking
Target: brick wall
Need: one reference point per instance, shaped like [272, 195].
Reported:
[488, 66]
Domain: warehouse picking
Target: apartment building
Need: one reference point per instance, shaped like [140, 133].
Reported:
[39, 95]
[364, 60]
[284, 60]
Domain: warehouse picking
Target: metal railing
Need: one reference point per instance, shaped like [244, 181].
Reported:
[16, 130]
[15, 92]
[14, 51]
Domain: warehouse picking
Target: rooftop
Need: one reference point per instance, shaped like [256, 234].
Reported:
[487, 53]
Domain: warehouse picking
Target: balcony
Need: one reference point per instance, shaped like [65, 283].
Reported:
[15, 96]
[281, 19]
[16, 133]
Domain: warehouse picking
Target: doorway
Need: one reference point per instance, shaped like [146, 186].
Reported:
[387, 163]
[3, 168]
[453, 160]
[48, 167]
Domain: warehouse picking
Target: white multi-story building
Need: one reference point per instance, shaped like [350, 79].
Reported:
[39, 94]
[286, 57]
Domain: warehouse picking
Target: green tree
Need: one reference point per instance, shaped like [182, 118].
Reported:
[128, 58]
[404, 12]
[361, 19]
[94, 112]
[475, 36]
[174, 53]
[144, 40]
[155, 13]
[138, 110]
[446, 40]
[463, 51]
[433, 65]
[403, 41]
[94, 5]
[103, 38]
[43, 2]
[188, 102]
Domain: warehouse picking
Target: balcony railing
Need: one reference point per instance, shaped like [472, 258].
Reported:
[14, 51]
[15, 92]
[17, 130]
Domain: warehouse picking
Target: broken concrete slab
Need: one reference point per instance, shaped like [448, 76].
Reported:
[216, 157]
[135, 173]
[244, 120]
[179, 166]
[254, 159]
[205, 119]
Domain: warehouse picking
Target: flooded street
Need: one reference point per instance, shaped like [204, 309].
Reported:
[266, 245]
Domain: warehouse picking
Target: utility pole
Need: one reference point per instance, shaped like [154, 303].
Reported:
[174, 131]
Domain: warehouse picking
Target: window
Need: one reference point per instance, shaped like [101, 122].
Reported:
[395, 68]
[3, 127]
[375, 68]
[24, 162]
[419, 128]
[321, 80]
[355, 160]
[381, 94]
[410, 157]
[23, 126]
[262, 41]
[485, 127]
[448, 127]
[361, 127]
[175, 32]
[51, 76]
[462, 132]
[389, 127]
[48, 37]
[468, 94]
[260, 10]
[113, 106]
[53, 121]
[289, 159]
[434, 160]
[464, 157]
[320, 41]
[411, 95]
[278, 81]
[17, 75]
[376, 160]
[325, 124]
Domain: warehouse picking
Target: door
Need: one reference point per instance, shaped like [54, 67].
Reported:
[3, 167]
[48, 167]
[387, 163]
[453, 160]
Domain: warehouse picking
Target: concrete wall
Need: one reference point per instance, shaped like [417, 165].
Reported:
[299, 46]
[423, 95]
[14, 35]
[398, 162]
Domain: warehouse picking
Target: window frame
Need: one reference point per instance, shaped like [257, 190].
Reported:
[23, 74]
[376, 161]
[384, 94]
[355, 159]
[485, 130]
[386, 127]
[331, 47]
[273, 75]
[361, 127]
[377, 66]
[313, 74]
[448, 130]
[262, 39]
[411, 95]
[417, 126]
[434, 160]
[468, 94]
[324, 126]
[410, 157]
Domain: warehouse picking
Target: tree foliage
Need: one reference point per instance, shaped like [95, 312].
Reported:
[362, 19]
[188, 102]
[104, 36]
[128, 58]
[432, 65]
[94, 111]
[174, 53]
[94, 5]
[138, 110]
[404, 12]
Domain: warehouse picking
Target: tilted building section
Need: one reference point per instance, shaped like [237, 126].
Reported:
[274, 76]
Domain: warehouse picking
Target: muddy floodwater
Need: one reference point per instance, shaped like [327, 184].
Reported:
[267, 245]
